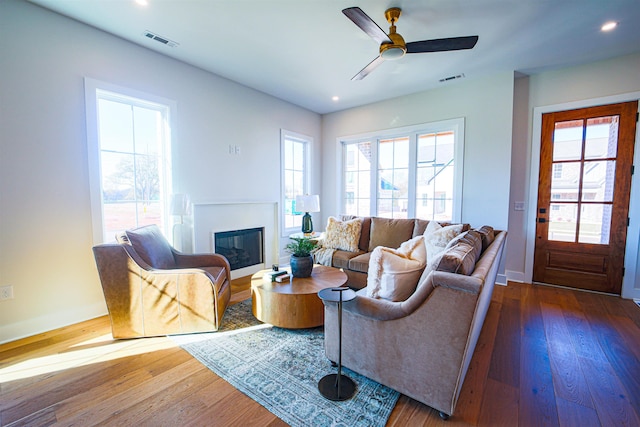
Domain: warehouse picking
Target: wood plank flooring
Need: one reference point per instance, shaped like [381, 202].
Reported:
[546, 357]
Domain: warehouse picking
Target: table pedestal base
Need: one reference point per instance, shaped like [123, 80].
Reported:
[332, 389]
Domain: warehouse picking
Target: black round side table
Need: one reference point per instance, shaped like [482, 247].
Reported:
[337, 386]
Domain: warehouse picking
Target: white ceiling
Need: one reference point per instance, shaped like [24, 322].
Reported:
[306, 51]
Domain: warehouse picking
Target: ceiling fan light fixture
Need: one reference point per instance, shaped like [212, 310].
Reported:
[389, 52]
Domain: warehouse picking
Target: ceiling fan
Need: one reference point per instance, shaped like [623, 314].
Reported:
[393, 46]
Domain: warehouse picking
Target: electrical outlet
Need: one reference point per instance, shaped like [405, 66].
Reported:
[6, 292]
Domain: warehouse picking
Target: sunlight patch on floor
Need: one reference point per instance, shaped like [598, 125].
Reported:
[95, 350]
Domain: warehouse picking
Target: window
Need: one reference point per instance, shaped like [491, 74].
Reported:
[356, 191]
[557, 170]
[129, 150]
[417, 173]
[295, 149]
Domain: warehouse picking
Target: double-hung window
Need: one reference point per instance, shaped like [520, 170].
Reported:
[413, 172]
[129, 158]
[295, 149]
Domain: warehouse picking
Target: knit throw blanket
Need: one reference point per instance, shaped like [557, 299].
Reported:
[323, 256]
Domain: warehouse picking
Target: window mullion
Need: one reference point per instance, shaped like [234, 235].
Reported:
[413, 166]
[373, 189]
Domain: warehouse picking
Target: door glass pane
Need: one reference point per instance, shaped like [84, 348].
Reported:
[595, 224]
[565, 181]
[601, 140]
[598, 181]
[567, 140]
[563, 221]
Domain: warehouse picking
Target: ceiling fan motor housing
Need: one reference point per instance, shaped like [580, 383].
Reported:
[397, 48]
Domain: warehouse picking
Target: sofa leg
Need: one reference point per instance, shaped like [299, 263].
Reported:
[443, 415]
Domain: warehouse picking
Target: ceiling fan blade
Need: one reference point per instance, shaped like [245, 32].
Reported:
[442, 45]
[366, 24]
[369, 68]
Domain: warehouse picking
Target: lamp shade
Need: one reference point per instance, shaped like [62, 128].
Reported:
[180, 204]
[308, 203]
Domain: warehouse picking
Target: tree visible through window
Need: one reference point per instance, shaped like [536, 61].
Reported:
[132, 150]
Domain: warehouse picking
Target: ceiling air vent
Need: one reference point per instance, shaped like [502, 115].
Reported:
[160, 39]
[446, 79]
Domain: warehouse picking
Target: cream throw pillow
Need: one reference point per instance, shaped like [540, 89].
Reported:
[343, 235]
[437, 237]
[393, 273]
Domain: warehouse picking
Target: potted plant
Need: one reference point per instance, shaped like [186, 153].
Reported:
[301, 260]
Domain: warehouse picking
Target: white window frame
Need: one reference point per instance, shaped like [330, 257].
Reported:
[92, 89]
[457, 125]
[306, 169]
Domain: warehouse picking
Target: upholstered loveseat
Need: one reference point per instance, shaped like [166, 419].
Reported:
[421, 346]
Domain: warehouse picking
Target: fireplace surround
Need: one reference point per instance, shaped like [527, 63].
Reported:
[218, 217]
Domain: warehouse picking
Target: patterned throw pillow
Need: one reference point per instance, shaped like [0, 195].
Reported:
[343, 235]
[437, 237]
[393, 273]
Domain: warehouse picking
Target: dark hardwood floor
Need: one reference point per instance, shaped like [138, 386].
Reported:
[546, 356]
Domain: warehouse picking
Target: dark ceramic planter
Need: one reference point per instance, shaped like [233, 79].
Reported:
[301, 266]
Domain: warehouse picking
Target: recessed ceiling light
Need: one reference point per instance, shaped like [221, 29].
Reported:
[142, 2]
[335, 98]
[609, 26]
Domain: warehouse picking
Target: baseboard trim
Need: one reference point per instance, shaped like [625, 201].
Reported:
[38, 325]
[515, 276]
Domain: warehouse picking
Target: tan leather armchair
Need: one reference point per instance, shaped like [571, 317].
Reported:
[151, 289]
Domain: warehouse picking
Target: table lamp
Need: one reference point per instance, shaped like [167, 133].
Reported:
[307, 203]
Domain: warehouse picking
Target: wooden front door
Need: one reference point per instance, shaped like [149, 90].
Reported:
[583, 196]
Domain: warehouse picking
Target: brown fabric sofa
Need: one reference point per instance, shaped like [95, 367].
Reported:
[151, 289]
[376, 231]
[422, 346]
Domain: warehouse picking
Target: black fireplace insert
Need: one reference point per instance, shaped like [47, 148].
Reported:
[243, 248]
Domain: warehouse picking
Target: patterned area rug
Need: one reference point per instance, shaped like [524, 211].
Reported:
[280, 369]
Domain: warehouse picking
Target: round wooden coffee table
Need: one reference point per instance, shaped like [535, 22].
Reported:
[294, 304]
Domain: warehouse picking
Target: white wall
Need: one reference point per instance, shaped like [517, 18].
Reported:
[520, 148]
[486, 105]
[570, 86]
[45, 228]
